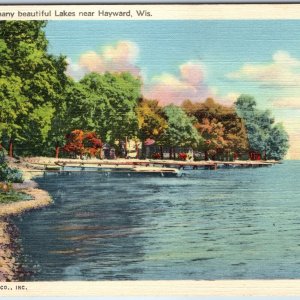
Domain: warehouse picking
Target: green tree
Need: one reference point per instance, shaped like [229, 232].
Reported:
[39, 83]
[278, 143]
[72, 112]
[180, 131]
[258, 124]
[12, 105]
[113, 99]
[83, 108]
[101, 103]
[262, 130]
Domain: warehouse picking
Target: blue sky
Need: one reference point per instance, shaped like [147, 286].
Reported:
[194, 59]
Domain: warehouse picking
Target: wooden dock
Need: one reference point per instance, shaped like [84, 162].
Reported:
[214, 165]
[59, 165]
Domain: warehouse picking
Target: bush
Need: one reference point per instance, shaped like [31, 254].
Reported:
[8, 174]
[156, 155]
[13, 196]
[182, 156]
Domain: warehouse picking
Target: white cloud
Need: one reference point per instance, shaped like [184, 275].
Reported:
[284, 58]
[283, 72]
[190, 84]
[287, 103]
[119, 57]
[124, 52]
[166, 88]
[92, 62]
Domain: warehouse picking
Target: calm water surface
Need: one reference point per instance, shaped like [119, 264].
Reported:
[224, 224]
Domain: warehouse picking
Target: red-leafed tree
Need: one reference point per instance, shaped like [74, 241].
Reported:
[92, 144]
[74, 144]
[83, 143]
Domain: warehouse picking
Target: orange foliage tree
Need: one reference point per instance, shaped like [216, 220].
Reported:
[83, 143]
[92, 144]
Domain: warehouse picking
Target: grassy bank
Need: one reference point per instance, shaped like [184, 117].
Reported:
[13, 196]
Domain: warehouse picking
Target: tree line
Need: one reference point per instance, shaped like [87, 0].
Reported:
[41, 108]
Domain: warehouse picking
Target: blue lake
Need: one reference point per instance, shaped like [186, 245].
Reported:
[225, 224]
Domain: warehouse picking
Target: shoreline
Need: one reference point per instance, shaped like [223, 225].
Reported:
[10, 268]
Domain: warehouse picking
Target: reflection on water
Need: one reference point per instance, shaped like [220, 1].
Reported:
[224, 224]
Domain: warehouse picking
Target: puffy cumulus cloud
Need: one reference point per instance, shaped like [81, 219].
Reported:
[123, 52]
[282, 72]
[287, 103]
[119, 57]
[190, 84]
[192, 72]
[284, 58]
[92, 62]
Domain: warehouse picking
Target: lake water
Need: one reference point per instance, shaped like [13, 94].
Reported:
[225, 224]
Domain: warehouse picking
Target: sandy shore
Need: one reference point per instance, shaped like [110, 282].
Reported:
[9, 266]
[40, 198]
[10, 269]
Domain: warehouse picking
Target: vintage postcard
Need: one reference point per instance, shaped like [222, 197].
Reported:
[149, 150]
